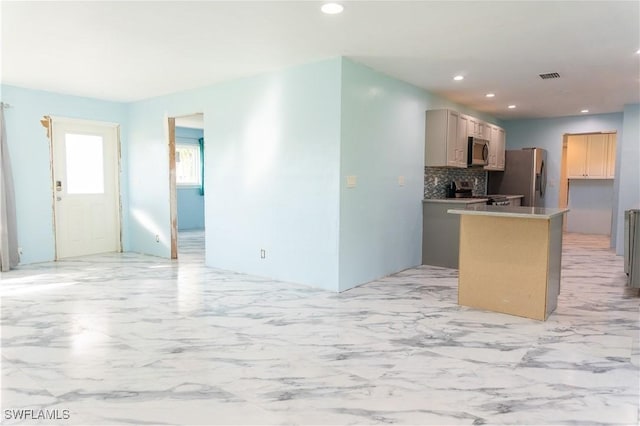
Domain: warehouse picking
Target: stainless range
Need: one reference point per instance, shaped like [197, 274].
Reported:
[498, 201]
[464, 189]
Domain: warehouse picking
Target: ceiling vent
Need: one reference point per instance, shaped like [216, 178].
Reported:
[549, 75]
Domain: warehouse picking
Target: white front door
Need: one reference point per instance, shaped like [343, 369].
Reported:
[86, 187]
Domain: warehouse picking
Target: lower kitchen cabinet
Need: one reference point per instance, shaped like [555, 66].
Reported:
[441, 232]
[515, 200]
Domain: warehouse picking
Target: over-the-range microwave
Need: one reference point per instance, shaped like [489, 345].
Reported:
[478, 152]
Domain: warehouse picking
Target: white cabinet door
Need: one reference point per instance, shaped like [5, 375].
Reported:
[452, 138]
[500, 148]
[462, 145]
[577, 157]
[496, 148]
[444, 134]
[471, 129]
[478, 129]
[493, 144]
[611, 155]
[486, 131]
[596, 156]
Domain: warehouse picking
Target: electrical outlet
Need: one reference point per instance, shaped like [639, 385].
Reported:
[157, 238]
[435, 181]
[352, 181]
[401, 180]
[263, 253]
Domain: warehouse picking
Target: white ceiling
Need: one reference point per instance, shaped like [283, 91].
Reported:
[128, 51]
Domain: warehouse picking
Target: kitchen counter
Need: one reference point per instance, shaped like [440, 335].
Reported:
[469, 200]
[509, 259]
[509, 211]
[456, 200]
[510, 197]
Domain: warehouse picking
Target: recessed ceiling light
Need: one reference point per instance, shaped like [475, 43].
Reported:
[584, 111]
[458, 77]
[332, 8]
[490, 95]
[511, 106]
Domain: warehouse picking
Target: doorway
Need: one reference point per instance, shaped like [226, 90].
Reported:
[586, 182]
[85, 163]
[187, 185]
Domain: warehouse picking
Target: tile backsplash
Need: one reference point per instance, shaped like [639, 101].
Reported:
[445, 175]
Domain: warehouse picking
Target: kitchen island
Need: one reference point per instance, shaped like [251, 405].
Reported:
[510, 259]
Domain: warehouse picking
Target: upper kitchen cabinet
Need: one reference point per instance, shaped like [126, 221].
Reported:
[502, 142]
[611, 156]
[591, 156]
[478, 129]
[445, 139]
[496, 148]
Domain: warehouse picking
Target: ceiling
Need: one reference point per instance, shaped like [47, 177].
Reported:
[127, 51]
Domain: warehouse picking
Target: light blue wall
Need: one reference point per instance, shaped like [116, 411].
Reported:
[271, 173]
[148, 151]
[271, 177]
[629, 169]
[190, 201]
[29, 151]
[548, 133]
[382, 138]
[590, 206]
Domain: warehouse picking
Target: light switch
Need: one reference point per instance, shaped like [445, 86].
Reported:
[352, 181]
[401, 180]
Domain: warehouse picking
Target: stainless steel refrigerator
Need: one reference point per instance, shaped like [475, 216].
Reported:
[525, 173]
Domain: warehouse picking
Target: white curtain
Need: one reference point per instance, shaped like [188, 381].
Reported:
[9, 256]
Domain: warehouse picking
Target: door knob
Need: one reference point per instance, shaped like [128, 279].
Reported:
[58, 198]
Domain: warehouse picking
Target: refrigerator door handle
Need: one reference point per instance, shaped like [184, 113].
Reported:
[543, 179]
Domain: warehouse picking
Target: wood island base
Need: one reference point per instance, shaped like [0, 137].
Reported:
[510, 264]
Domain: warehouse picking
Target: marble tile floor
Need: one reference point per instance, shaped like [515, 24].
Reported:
[133, 339]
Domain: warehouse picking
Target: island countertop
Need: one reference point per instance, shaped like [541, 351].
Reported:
[509, 211]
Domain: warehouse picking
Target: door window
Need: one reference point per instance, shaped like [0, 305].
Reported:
[85, 164]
